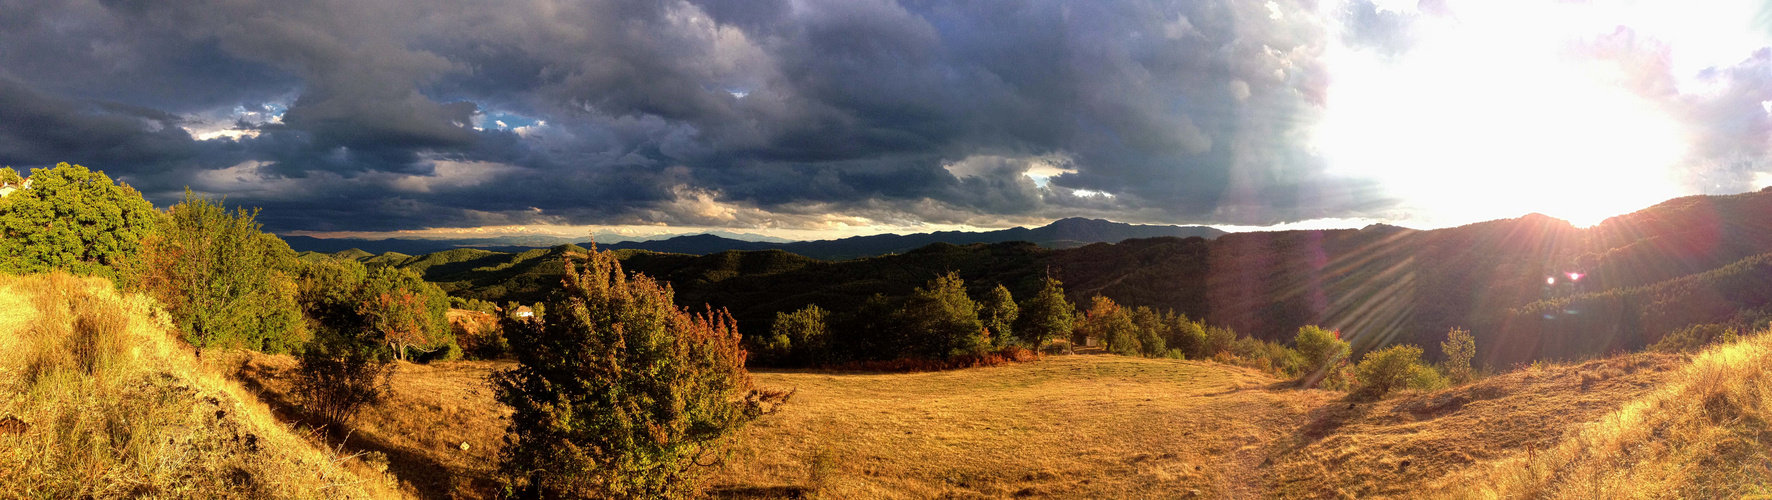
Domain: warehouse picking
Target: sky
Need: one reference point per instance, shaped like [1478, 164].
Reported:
[810, 119]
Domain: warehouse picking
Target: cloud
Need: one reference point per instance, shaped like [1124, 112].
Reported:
[706, 112]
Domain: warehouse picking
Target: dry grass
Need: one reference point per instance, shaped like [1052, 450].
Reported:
[430, 411]
[102, 402]
[1392, 448]
[1061, 427]
[1703, 433]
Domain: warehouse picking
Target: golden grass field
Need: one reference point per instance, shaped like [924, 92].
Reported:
[102, 402]
[142, 417]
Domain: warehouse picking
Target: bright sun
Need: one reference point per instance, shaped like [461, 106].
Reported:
[1485, 118]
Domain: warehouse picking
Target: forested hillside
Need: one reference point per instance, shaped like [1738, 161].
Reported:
[1529, 288]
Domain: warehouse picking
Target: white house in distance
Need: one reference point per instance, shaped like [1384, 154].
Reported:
[9, 187]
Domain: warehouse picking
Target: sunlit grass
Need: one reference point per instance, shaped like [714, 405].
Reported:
[102, 402]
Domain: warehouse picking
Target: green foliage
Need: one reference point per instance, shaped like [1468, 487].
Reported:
[328, 291]
[1112, 325]
[1424, 377]
[939, 321]
[1188, 337]
[475, 305]
[1694, 338]
[998, 312]
[1218, 339]
[800, 338]
[407, 312]
[75, 220]
[1388, 369]
[619, 393]
[1046, 316]
[1321, 349]
[1459, 348]
[1271, 357]
[225, 282]
[1153, 332]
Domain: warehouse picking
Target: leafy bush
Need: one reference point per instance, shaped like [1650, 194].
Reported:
[1424, 377]
[338, 373]
[1459, 348]
[998, 312]
[75, 220]
[1388, 369]
[225, 282]
[1271, 357]
[1694, 338]
[800, 338]
[1320, 347]
[619, 393]
[1046, 316]
[1152, 332]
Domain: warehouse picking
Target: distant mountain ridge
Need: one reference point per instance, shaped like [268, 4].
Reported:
[1063, 233]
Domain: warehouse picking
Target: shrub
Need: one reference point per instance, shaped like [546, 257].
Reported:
[338, 373]
[1112, 325]
[225, 282]
[801, 338]
[1271, 357]
[619, 393]
[1694, 338]
[1459, 348]
[1320, 348]
[1424, 377]
[1388, 369]
[1046, 316]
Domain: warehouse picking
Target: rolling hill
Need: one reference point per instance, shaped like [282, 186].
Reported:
[1530, 288]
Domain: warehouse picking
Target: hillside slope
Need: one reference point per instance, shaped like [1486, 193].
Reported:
[97, 400]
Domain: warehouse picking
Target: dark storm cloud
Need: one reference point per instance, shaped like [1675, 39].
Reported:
[707, 112]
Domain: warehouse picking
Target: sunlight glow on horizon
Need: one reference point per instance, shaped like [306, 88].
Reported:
[1485, 118]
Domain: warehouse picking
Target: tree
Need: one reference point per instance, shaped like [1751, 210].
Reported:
[405, 310]
[1111, 324]
[940, 320]
[224, 282]
[73, 219]
[1152, 332]
[801, 338]
[1459, 348]
[998, 311]
[1046, 316]
[1188, 336]
[340, 371]
[618, 393]
[1218, 339]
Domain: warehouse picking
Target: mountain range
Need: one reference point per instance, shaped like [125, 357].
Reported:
[1529, 288]
[1064, 233]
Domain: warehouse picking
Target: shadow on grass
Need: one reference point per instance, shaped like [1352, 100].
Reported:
[741, 492]
[429, 478]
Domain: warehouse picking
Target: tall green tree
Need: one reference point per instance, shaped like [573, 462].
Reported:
[998, 312]
[800, 338]
[73, 219]
[225, 282]
[940, 320]
[1045, 316]
[1153, 332]
[1112, 325]
[1459, 348]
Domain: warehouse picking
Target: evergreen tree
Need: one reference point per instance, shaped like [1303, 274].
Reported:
[940, 320]
[72, 219]
[1046, 316]
[998, 311]
[1459, 348]
[619, 393]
